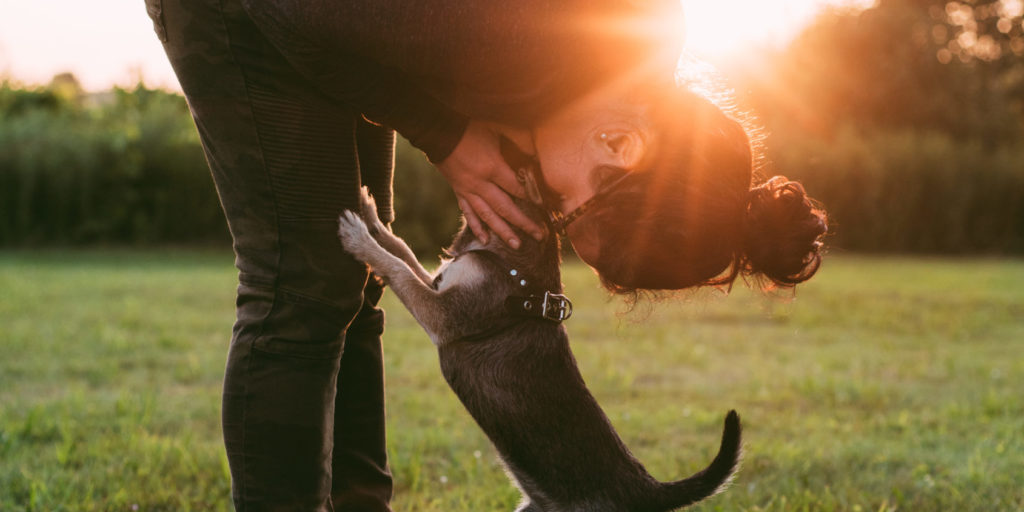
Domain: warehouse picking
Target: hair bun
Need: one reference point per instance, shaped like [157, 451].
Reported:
[782, 233]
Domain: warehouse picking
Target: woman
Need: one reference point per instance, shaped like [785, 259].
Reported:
[665, 200]
[283, 93]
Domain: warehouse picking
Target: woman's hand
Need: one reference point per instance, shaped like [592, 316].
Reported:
[483, 182]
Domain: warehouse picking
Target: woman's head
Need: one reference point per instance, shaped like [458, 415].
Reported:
[685, 214]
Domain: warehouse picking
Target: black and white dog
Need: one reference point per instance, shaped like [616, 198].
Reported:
[494, 315]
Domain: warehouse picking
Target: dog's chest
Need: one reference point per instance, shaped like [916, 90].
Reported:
[462, 271]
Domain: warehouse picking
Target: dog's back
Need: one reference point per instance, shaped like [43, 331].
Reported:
[522, 386]
[516, 375]
[526, 393]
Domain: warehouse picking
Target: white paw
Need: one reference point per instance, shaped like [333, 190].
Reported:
[355, 238]
[368, 211]
[367, 206]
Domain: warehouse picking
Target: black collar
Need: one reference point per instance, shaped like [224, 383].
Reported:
[533, 302]
[550, 306]
[546, 305]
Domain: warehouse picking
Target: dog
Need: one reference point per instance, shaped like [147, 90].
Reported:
[495, 316]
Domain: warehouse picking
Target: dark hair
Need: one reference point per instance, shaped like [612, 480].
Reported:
[690, 216]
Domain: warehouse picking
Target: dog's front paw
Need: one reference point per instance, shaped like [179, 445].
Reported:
[355, 238]
[367, 205]
[368, 211]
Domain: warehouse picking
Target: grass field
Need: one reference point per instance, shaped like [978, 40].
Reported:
[886, 384]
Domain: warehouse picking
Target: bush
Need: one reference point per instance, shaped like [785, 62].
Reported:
[129, 171]
[426, 212]
[910, 191]
[127, 168]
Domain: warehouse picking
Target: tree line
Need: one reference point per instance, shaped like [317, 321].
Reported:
[125, 167]
[906, 121]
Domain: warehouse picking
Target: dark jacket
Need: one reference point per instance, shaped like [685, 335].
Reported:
[425, 67]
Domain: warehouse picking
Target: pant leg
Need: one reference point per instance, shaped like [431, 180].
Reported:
[284, 161]
[362, 481]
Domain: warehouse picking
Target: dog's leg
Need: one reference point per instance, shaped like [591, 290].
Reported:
[387, 239]
[419, 298]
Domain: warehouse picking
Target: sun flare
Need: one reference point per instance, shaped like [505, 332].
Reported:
[721, 28]
[117, 45]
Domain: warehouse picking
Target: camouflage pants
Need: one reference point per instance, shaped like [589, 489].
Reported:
[303, 409]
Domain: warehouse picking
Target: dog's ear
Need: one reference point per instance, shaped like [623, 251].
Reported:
[531, 186]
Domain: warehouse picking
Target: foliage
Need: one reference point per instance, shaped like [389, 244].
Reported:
[125, 167]
[986, 30]
[426, 213]
[854, 396]
[911, 191]
[904, 120]
[15, 100]
[887, 68]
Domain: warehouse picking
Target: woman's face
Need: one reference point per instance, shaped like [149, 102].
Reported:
[578, 145]
[568, 148]
[567, 162]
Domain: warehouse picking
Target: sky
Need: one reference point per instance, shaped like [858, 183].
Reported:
[107, 42]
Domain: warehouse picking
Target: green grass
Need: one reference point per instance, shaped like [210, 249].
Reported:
[886, 384]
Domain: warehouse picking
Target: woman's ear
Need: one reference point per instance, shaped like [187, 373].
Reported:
[622, 148]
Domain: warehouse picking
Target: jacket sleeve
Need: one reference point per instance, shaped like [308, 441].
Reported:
[376, 146]
[326, 41]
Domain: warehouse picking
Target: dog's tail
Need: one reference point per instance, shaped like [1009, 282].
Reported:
[712, 479]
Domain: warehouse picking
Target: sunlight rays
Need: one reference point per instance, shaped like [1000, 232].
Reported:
[716, 30]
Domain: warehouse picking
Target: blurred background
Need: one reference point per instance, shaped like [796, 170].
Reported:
[889, 382]
[903, 117]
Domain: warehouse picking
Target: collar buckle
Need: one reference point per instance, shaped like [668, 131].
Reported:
[556, 307]
[553, 307]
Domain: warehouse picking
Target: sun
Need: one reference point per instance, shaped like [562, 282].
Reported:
[717, 29]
